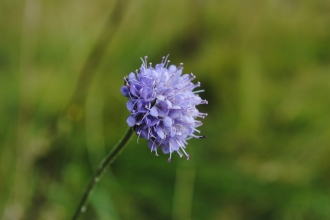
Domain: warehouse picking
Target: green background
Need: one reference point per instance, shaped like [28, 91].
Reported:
[265, 68]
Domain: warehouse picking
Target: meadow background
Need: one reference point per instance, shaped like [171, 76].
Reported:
[265, 66]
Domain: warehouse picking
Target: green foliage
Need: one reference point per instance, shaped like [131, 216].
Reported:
[264, 65]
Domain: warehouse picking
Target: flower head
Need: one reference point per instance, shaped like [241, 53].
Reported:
[162, 106]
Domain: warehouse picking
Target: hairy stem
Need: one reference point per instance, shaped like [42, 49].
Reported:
[102, 167]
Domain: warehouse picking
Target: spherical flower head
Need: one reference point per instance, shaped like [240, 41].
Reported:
[162, 106]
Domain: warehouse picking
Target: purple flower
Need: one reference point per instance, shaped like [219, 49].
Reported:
[162, 104]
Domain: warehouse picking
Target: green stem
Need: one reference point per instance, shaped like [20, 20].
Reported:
[103, 165]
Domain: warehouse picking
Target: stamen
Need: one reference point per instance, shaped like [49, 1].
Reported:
[152, 147]
[179, 152]
[125, 80]
[187, 155]
[197, 130]
[138, 133]
[164, 60]
[201, 113]
[199, 91]
[169, 159]
[167, 63]
[142, 118]
[145, 60]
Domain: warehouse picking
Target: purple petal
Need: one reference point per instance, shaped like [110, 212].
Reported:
[176, 107]
[189, 119]
[167, 121]
[151, 121]
[159, 67]
[132, 77]
[173, 131]
[131, 121]
[134, 89]
[130, 105]
[152, 146]
[154, 111]
[124, 90]
[141, 106]
[146, 93]
[162, 108]
[147, 81]
[171, 69]
[160, 132]
[174, 113]
[174, 146]
[144, 133]
[161, 97]
[165, 149]
[169, 104]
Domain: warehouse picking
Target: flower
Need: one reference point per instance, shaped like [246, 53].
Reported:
[162, 106]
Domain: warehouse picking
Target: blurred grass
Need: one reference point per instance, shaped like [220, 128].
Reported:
[265, 68]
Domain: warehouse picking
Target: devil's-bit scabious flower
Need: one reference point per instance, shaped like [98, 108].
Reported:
[162, 104]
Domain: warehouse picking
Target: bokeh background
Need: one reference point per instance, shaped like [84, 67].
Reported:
[265, 68]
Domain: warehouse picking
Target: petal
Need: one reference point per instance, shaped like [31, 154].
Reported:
[151, 121]
[155, 74]
[146, 93]
[132, 77]
[171, 69]
[154, 111]
[173, 131]
[152, 146]
[130, 105]
[160, 132]
[169, 104]
[147, 81]
[148, 72]
[141, 106]
[134, 89]
[167, 121]
[124, 90]
[176, 107]
[174, 113]
[189, 119]
[195, 100]
[144, 133]
[174, 146]
[159, 67]
[162, 108]
[131, 121]
[165, 149]
[161, 97]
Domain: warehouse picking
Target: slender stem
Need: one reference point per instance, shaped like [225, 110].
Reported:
[103, 165]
